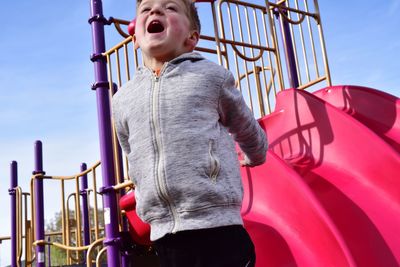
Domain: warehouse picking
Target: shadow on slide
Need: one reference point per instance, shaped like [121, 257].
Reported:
[329, 194]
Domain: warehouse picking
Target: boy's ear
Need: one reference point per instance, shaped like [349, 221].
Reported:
[135, 41]
[193, 39]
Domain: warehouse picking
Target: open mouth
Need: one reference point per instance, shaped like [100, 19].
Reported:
[155, 27]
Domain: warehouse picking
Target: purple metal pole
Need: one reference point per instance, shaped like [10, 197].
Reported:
[97, 22]
[289, 52]
[11, 191]
[39, 204]
[85, 207]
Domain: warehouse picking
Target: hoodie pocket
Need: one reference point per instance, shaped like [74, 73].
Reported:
[214, 162]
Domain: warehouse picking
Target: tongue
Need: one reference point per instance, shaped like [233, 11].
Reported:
[155, 27]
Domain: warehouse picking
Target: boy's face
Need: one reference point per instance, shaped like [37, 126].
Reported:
[163, 29]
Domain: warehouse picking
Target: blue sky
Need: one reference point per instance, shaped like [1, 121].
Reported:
[45, 76]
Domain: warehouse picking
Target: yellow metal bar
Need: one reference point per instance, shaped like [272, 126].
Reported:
[311, 40]
[265, 27]
[33, 206]
[294, 43]
[322, 42]
[78, 213]
[307, 71]
[68, 237]
[256, 71]
[245, 4]
[18, 195]
[281, 7]
[262, 64]
[59, 245]
[63, 225]
[101, 252]
[320, 79]
[28, 247]
[277, 53]
[243, 54]
[118, 67]
[118, 46]
[71, 177]
[126, 169]
[110, 76]
[135, 55]
[235, 58]
[123, 185]
[92, 246]
[117, 23]
[216, 34]
[222, 31]
[28, 244]
[258, 86]
[126, 57]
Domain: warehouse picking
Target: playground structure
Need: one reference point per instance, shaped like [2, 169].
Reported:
[328, 194]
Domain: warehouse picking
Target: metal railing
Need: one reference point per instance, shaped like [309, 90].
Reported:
[247, 41]
[72, 232]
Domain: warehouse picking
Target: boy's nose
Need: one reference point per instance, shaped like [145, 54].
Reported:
[156, 9]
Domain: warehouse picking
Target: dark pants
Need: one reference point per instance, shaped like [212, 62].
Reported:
[228, 246]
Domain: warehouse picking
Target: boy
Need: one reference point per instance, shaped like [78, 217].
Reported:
[174, 121]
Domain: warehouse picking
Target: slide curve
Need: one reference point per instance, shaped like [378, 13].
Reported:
[329, 193]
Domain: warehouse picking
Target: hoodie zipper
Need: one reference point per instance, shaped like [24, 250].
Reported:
[159, 154]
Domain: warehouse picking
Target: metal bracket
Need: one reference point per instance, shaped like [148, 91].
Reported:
[96, 57]
[38, 172]
[83, 192]
[100, 18]
[106, 189]
[100, 84]
[12, 191]
[112, 241]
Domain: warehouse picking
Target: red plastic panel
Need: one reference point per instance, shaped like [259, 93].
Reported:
[285, 220]
[351, 170]
[138, 230]
[377, 110]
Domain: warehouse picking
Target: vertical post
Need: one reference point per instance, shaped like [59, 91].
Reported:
[39, 204]
[120, 171]
[97, 22]
[289, 51]
[48, 252]
[85, 207]
[12, 192]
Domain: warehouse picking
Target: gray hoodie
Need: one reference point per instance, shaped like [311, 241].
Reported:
[176, 130]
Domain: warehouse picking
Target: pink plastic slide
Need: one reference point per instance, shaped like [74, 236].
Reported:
[329, 193]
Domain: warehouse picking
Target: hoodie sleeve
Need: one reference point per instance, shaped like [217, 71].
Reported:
[238, 118]
[121, 126]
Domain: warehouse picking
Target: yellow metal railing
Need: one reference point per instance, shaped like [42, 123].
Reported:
[247, 41]
[305, 21]
[72, 237]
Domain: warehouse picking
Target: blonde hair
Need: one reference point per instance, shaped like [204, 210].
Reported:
[191, 12]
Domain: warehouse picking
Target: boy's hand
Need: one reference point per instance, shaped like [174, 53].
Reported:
[245, 162]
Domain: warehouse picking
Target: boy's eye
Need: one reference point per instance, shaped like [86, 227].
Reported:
[144, 9]
[171, 7]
